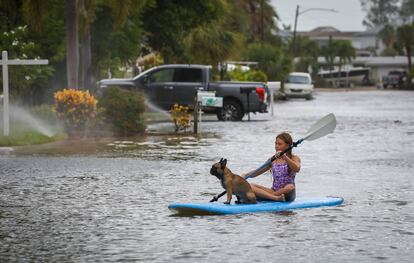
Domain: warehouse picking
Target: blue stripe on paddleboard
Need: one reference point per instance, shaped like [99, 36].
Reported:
[262, 206]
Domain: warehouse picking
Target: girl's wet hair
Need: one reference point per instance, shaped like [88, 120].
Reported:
[284, 136]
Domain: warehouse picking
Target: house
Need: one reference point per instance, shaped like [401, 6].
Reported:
[366, 42]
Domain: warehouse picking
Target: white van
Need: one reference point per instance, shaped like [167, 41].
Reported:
[299, 85]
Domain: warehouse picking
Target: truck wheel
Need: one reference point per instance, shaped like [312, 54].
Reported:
[231, 111]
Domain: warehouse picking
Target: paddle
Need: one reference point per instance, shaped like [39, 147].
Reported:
[324, 126]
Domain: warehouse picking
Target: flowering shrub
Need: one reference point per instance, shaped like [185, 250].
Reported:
[180, 117]
[75, 108]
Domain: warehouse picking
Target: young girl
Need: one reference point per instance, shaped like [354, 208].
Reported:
[283, 170]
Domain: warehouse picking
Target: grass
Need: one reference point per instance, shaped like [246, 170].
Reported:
[27, 138]
[23, 135]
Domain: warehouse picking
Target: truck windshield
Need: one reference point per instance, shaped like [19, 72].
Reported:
[298, 79]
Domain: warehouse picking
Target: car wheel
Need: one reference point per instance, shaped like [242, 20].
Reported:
[231, 111]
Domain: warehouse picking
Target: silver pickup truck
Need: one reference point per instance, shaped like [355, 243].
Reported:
[167, 85]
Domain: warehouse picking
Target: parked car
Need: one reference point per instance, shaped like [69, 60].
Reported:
[394, 79]
[167, 85]
[298, 85]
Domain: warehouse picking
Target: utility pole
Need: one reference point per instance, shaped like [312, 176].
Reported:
[261, 22]
[296, 22]
[294, 30]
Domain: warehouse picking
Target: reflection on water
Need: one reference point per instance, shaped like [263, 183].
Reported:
[106, 200]
[160, 147]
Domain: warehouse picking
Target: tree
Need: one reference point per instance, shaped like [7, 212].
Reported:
[345, 52]
[72, 43]
[307, 52]
[388, 36]
[273, 60]
[405, 41]
[407, 11]
[379, 12]
[124, 26]
[168, 22]
[216, 41]
[329, 53]
[261, 18]
[338, 48]
[118, 43]
[211, 44]
[86, 16]
[26, 82]
[35, 12]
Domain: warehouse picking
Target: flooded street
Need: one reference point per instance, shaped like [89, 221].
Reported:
[108, 202]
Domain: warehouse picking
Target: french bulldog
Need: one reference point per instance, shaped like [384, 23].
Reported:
[233, 183]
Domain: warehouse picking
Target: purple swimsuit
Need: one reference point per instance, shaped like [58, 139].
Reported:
[281, 176]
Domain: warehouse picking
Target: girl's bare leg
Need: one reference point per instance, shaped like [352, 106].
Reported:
[266, 193]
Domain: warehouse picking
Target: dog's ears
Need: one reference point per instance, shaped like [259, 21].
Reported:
[223, 163]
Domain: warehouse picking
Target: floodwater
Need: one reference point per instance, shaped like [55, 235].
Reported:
[107, 201]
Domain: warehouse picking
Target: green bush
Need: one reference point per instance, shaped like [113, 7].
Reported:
[250, 75]
[123, 110]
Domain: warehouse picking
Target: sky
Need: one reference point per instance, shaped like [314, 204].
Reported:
[348, 17]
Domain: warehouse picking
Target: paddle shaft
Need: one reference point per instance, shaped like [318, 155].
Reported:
[274, 157]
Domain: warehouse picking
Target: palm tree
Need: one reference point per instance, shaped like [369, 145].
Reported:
[212, 43]
[388, 37]
[405, 40]
[215, 41]
[328, 51]
[308, 52]
[345, 52]
[261, 18]
[338, 48]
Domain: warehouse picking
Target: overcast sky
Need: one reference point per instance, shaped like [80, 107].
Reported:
[348, 18]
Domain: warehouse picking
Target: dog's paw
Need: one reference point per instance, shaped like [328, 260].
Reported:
[238, 202]
[226, 203]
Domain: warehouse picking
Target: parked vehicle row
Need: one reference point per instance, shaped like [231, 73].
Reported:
[167, 85]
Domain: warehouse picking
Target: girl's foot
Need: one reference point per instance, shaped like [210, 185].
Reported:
[279, 198]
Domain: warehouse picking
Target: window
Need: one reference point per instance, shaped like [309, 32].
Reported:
[188, 75]
[163, 75]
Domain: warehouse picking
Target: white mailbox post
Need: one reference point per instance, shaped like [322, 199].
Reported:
[274, 87]
[5, 62]
[205, 99]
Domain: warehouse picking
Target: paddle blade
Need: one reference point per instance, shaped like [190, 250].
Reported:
[323, 127]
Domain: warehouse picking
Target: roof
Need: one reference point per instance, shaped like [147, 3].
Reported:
[327, 31]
